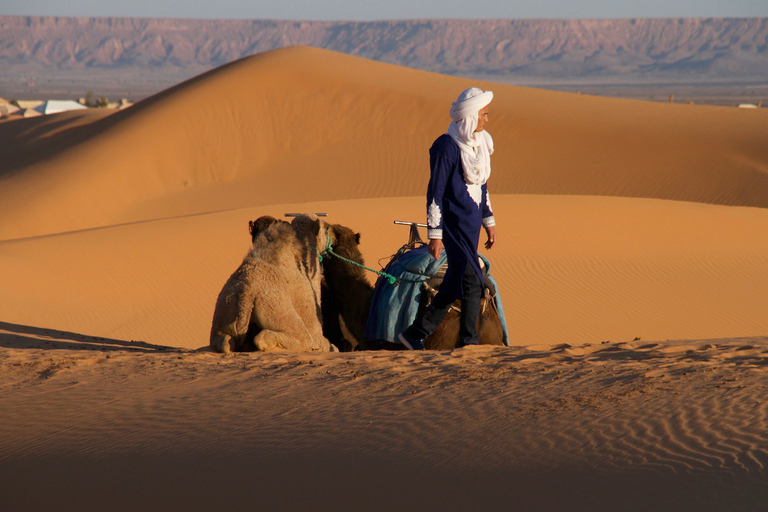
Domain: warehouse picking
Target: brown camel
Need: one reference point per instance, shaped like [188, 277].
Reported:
[275, 293]
[347, 293]
[351, 294]
[446, 336]
[345, 306]
[257, 226]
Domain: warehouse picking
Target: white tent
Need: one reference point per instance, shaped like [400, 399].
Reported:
[24, 104]
[56, 106]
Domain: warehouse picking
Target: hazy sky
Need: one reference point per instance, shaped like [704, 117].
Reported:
[388, 9]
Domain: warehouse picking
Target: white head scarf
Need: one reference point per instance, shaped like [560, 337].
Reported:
[476, 148]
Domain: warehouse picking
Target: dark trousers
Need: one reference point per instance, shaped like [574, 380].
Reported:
[426, 324]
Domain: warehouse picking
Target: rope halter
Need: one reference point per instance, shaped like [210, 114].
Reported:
[326, 251]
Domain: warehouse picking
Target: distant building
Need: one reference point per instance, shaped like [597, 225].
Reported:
[24, 104]
[32, 108]
[56, 106]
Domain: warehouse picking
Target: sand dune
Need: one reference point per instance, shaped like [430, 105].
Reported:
[622, 225]
[220, 141]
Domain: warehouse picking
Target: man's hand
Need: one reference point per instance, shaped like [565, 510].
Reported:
[491, 232]
[435, 247]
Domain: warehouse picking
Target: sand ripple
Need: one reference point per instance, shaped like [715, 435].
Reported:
[687, 416]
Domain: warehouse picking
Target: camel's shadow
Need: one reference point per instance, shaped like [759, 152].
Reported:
[18, 336]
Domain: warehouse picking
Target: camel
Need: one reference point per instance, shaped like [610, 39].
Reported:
[446, 336]
[347, 293]
[257, 226]
[272, 301]
[349, 299]
[345, 243]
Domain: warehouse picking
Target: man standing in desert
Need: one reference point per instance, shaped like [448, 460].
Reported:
[458, 205]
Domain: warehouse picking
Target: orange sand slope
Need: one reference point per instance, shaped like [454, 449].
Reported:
[617, 219]
[303, 124]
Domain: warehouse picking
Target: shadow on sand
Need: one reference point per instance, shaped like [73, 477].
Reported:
[24, 336]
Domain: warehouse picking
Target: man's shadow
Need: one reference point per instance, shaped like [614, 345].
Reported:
[27, 337]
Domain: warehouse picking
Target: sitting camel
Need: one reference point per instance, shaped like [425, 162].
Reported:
[347, 293]
[275, 292]
[257, 226]
[446, 336]
[349, 298]
[348, 279]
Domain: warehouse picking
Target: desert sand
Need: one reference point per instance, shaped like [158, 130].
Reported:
[631, 261]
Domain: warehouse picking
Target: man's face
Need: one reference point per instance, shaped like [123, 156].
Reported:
[482, 119]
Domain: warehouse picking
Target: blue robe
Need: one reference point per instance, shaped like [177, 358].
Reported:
[456, 211]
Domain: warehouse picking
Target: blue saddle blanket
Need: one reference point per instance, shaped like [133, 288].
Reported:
[394, 307]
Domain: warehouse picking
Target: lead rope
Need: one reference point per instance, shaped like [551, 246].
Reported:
[389, 277]
[330, 252]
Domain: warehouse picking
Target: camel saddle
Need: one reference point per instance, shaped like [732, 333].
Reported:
[394, 307]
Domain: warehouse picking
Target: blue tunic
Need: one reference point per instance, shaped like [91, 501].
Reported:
[456, 211]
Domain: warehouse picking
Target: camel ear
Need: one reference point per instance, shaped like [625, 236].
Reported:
[316, 227]
[250, 227]
[357, 238]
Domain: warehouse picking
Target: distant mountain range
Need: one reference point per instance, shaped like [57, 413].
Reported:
[43, 48]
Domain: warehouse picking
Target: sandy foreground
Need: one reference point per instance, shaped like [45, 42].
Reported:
[93, 424]
[632, 262]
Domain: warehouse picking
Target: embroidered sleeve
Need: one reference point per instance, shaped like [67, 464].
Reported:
[434, 221]
[440, 165]
[488, 219]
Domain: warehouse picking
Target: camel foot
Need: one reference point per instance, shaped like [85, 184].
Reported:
[221, 343]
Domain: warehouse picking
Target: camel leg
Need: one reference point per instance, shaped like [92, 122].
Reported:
[283, 329]
[274, 340]
[268, 339]
[319, 342]
[222, 343]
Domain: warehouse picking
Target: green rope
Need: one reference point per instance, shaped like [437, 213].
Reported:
[328, 242]
[392, 279]
[330, 252]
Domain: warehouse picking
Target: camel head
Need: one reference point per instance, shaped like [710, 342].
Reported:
[257, 226]
[346, 243]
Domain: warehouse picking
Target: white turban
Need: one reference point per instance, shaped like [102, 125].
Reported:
[476, 147]
[469, 103]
